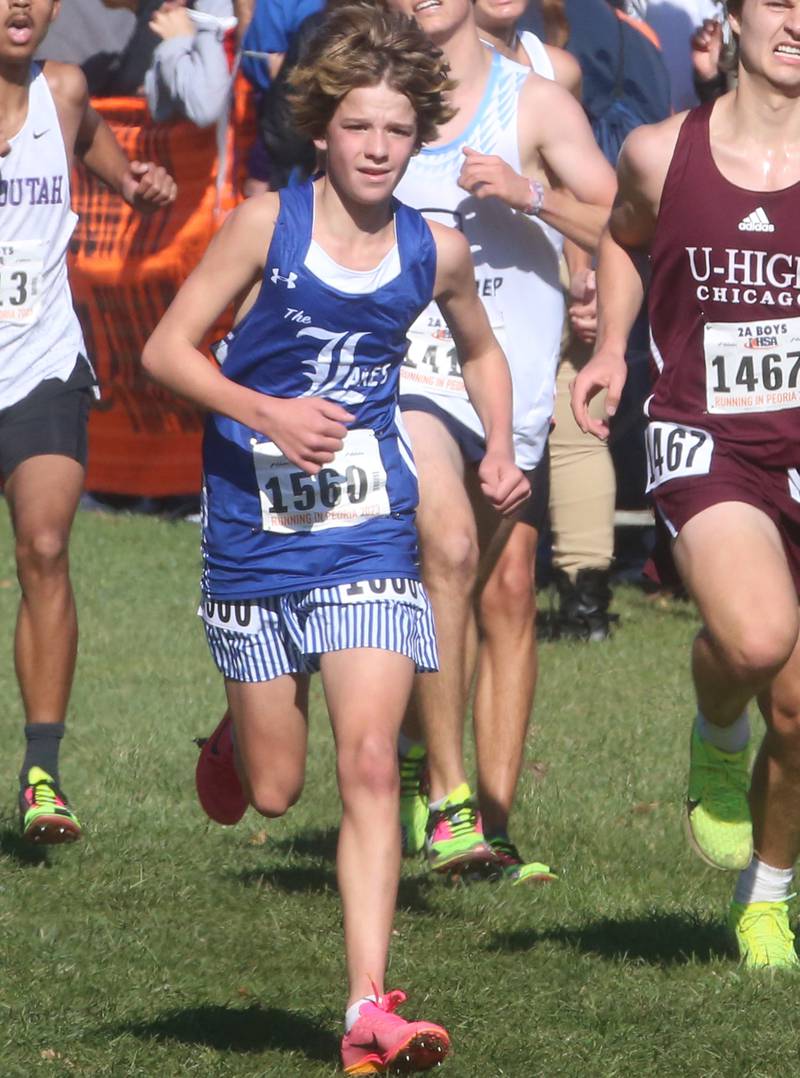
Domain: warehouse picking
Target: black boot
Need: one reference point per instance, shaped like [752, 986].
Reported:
[583, 605]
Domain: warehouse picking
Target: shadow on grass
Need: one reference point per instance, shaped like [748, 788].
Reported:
[412, 893]
[658, 939]
[226, 1029]
[13, 845]
[313, 843]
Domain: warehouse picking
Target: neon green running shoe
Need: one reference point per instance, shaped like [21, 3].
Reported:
[45, 814]
[511, 866]
[413, 799]
[718, 822]
[763, 935]
[454, 839]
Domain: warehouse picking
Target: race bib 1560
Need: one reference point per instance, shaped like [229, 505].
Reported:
[345, 492]
[752, 366]
[674, 451]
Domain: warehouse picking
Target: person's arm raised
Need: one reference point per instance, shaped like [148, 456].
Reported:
[623, 268]
[308, 430]
[484, 367]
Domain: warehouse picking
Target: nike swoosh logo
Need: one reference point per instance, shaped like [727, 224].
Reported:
[38, 134]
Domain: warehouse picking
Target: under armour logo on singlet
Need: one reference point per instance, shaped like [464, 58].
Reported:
[288, 281]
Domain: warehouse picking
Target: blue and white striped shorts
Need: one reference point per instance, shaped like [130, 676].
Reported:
[261, 639]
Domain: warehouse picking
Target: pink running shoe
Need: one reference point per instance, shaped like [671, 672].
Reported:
[382, 1042]
[218, 787]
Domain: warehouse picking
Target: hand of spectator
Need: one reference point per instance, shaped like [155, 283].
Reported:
[583, 305]
[706, 45]
[307, 430]
[605, 370]
[148, 187]
[502, 483]
[172, 20]
[485, 176]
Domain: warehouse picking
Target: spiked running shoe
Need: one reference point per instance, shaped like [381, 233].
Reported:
[381, 1042]
[46, 817]
[413, 799]
[763, 935]
[510, 865]
[717, 818]
[454, 839]
[218, 787]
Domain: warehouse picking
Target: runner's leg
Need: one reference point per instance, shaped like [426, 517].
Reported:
[271, 735]
[744, 591]
[367, 690]
[775, 787]
[449, 548]
[43, 494]
[507, 671]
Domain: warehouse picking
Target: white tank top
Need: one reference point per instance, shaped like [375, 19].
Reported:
[517, 276]
[40, 336]
[537, 54]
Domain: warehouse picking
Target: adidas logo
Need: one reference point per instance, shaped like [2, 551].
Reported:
[757, 221]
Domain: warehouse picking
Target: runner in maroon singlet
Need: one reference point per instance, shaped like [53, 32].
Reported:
[712, 196]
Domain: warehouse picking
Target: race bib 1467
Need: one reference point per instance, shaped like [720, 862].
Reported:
[752, 366]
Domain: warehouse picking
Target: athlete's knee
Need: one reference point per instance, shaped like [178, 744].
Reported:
[451, 558]
[509, 593]
[43, 552]
[368, 764]
[757, 653]
[272, 798]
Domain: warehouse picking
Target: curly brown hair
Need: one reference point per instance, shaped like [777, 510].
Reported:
[363, 44]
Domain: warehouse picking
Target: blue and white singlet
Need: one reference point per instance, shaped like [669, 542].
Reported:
[268, 527]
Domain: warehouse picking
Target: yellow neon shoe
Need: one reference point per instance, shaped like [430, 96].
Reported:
[413, 799]
[717, 818]
[45, 815]
[763, 935]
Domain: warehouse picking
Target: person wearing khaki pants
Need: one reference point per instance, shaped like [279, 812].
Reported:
[582, 485]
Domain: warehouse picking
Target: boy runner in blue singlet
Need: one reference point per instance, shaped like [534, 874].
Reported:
[310, 488]
[45, 379]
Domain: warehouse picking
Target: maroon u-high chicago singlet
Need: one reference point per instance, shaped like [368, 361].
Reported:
[725, 307]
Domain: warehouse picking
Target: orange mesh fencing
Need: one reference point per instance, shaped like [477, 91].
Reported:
[125, 268]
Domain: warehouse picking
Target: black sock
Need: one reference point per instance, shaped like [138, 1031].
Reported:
[43, 740]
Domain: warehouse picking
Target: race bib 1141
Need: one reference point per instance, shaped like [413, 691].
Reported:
[752, 366]
[345, 492]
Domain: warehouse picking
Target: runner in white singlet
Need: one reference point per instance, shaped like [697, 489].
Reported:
[45, 379]
[484, 175]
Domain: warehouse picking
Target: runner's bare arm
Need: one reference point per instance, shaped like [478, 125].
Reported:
[486, 375]
[556, 127]
[622, 270]
[142, 184]
[309, 430]
[566, 69]
[564, 141]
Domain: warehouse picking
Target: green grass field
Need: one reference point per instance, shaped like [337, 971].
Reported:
[161, 945]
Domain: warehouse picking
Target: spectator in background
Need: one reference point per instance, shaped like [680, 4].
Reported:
[190, 75]
[92, 35]
[269, 35]
[675, 21]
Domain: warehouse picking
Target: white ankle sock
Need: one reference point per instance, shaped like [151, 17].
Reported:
[760, 882]
[731, 738]
[352, 1012]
